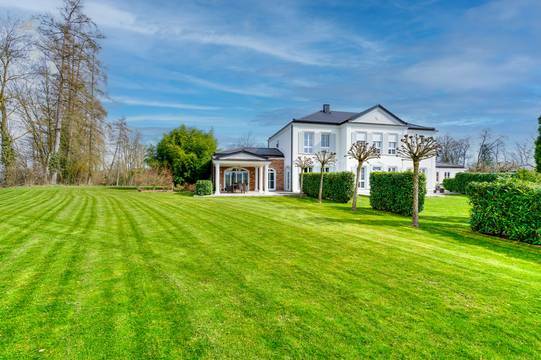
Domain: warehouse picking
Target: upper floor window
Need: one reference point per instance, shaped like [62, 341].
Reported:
[325, 141]
[308, 147]
[359, 136]
[377, 141]
[277, 144]
[393, 143]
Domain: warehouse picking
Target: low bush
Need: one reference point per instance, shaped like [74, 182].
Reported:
[203, 187]
[460, 182]
[528, 175]
[508, 208]
[393, 192]
[337, 186]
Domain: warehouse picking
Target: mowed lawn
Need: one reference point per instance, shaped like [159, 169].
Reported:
[102, 273]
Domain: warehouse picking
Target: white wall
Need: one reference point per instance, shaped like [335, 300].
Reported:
[452, 173]
[283, 138]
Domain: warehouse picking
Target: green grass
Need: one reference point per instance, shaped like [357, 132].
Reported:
[101, 273]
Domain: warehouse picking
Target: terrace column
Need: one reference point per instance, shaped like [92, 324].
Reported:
[256, 182]
[217, 178]
[266, 180]
[260, 170]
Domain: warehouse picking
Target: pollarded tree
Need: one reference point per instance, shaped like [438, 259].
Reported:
[303, 162]
[538, 148]
[325, 159]
[417, 148]
[361, 152]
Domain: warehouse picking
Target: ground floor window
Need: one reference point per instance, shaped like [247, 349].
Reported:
[392, 169]
[326, 169]
[362, 182]
[288, 179]
[308, 169]
[236, 176]
[271, 176]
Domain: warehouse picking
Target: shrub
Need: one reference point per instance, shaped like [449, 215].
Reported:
[461, 180]
[203, 187]
[509, 208]
[528, 175]
[393, 192]
[337, 186]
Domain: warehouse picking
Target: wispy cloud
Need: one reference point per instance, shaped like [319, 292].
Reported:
[160, 104]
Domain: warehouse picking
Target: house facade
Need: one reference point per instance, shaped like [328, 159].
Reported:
[273, 169]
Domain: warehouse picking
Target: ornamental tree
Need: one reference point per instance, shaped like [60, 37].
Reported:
[303, 162]
[416, 148]
[324, 158]
[361, 152]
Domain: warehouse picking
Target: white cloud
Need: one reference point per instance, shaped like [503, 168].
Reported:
[160, 104]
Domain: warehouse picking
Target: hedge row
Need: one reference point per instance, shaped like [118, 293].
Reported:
[510, 208]
[337, 186]
[393, 192]
[460, 182]
[203, 187]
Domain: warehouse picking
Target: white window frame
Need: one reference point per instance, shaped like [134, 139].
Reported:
[328, 137]
[392, 149]
[308, 169]
[308, 137]
[377, 168]
[362, 180]
[392, 169]
[379, 143]
[273, 187]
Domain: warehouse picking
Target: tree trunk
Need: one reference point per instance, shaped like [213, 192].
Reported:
[415, 194]
[7, 155]
[357, 179]
[302, 180]
[320, 196]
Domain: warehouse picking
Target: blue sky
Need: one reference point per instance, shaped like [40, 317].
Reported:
[249, 66]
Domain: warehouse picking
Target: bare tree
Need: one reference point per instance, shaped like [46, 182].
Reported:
[303, 162]
[417, 148]
[453, 151]
[324, 158]
[523, 155]
[246, 140]
[13, 50]
[361, 152]
[489, 151]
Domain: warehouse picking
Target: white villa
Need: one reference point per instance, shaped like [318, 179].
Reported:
[272, 168]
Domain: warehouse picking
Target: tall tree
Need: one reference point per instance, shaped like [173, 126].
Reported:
[13, 50]
[489, 151]
[416, 148]
[187, 152]
[452, 150]
[361, 152]
[324, 158]
[69, 42]
[303, 163]
[538, 147]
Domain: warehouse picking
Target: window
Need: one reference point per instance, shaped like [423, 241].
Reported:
[377, 141]
[326, 169]
[447, 175]
[325, 141]
[236, 176]
[308, 170]
[437, 176]
[376, 168]
[423, 170]
[308, 147]
[271, 177]
[393, 142]
[288, 178]
[362, 183]
[277, 144]
[359, 136]
[392, 169]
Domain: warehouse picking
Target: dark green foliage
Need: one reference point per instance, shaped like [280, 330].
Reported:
[393, 192]
[203, 187]
[508, 208]
[187, 152]
[538, 147]
[337, 186]
[461, 180]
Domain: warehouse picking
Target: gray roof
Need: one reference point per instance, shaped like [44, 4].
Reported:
[257, 151]
[339, 117]
[448, 165]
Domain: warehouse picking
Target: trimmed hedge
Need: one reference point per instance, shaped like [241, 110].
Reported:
[203, 187]
[393, 192]
[509, 208]
[337, 186]
[460, 182]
